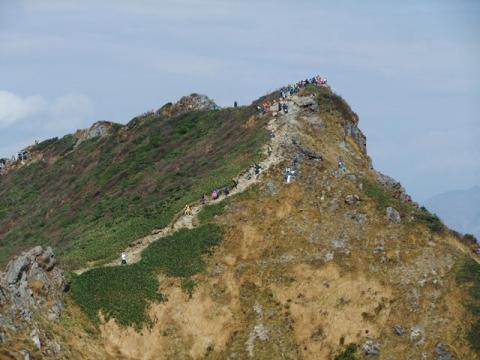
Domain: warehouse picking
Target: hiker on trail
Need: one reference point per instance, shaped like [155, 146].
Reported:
[235, 104]
[269, 150]
[226, 190]
[295, 161]
[234, 183]
[123, 258]
[286, 136]
[288, 174]
[280, 106]
[285, 108]
[203, 199]
[215, 194]
[188, 210]
[257, 168]
[341, 165]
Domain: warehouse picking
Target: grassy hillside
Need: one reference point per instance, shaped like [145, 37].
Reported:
[91, 201]
[123, 292]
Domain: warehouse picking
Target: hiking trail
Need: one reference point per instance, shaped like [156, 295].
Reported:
[280, 123]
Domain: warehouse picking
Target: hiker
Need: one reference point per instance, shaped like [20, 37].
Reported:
[280, 104]
[295, 161]
[124, 258]
[234, 183]
[341, 165]
[288, 175]
[203, 199]
[188, 210]
[285, 108]
[235, 104]
[257, 168]
[226, 191]
[269, 150]
[286, 136]
[215, 194]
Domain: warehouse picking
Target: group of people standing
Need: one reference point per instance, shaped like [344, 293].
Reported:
[289, 90]
[293, 89]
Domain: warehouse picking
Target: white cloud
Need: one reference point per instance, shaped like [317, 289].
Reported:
[66, 112]
[14, 108]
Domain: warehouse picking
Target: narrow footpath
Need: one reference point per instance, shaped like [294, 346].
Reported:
[279, 124]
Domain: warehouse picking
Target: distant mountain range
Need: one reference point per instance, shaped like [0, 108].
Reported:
[459, 209]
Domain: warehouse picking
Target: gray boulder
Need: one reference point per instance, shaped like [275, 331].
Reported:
[371, 348]
[307, 102]
[394, 186]
[16, 267]
[46, 259]
[398, 329]
[393, 216]
[3, 296]
[442, 352]
[35, 336]
[352, 199]
[360, 218]
[356, 134]
[25, 354]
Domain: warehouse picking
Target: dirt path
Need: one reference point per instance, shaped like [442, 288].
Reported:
[280, 124]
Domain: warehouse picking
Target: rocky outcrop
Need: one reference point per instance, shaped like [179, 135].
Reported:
[394, 186]
[393, 216]
[194, 102]
[307, 102]
[31, 285]
[98, 129]
[352, 130]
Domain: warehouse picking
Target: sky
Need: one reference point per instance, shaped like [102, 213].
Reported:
[408, 68]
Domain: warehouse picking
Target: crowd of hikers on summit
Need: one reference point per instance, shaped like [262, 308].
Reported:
[281, 105]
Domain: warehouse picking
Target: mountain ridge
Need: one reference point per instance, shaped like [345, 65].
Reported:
[320, 257]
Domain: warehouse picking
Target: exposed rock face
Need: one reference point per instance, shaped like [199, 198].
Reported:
[307, 102]
[393, 185]
[371, 348]
[31, 285]
[194, 102]
[356, 134]
[398, 329]
[442, 352]
[352, 199]
[98, 129]
[393, 216]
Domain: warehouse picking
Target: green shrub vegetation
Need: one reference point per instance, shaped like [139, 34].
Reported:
[180, 254]
[90, 203]
[385, 198]
[121, 292]
[188, 285]
[348, 353]
[432, 221]
[209, 212]
[330, 102]
[469, 276]
[124, 292]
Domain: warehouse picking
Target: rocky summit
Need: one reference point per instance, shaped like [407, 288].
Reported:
[251, 232]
